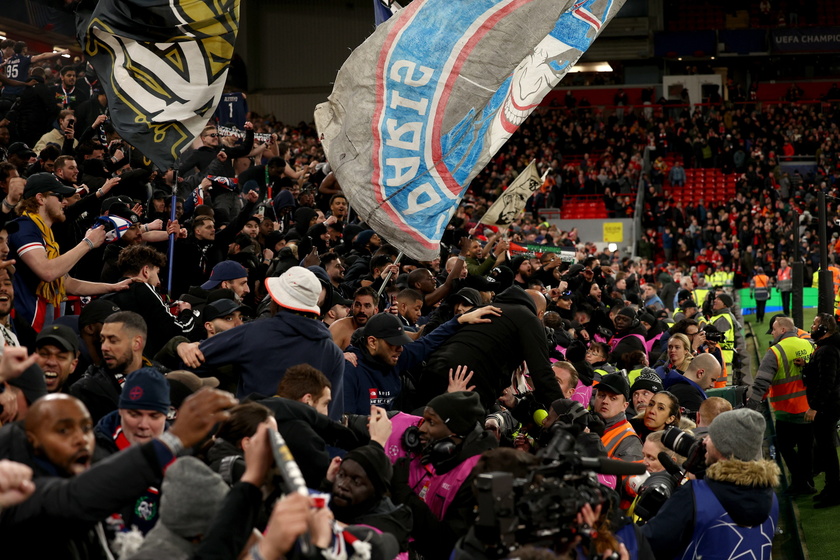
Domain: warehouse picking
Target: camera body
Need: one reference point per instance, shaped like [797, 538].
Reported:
[693, 449]
[716, 337]
[653, 493]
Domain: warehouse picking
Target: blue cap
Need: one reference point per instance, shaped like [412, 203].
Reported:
[145, 389]
[225, 271]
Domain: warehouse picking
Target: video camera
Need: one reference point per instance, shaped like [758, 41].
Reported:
[541, 509]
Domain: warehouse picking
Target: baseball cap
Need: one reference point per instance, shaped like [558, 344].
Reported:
[222, 308]
[122, 210]
[387, 327]
[60, 336]
[615, 383]
[297, 289]
[46, 182]
[773, 322]
[224, 271]
[20, 149]
[97, 311]
[192, 381]
[470, 296]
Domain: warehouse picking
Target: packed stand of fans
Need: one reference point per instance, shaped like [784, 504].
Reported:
[409, 393]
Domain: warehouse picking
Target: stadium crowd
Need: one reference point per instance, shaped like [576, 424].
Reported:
[136, 425]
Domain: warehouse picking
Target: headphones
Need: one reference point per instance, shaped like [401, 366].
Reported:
[442, 454]
[634, 322]
[826, 321]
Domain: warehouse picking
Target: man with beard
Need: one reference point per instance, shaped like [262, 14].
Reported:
[71, 497]
[90, 326]
[15, 331]
[123, 340]
[364, 307]
[42, 280]
[384, 352]
[523, 270]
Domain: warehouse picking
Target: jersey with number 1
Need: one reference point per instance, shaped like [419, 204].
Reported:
[232, 110]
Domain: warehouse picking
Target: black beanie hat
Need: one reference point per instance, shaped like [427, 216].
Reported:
[460, 411]
[372, 459]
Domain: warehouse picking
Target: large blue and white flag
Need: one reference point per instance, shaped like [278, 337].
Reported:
[422, 105]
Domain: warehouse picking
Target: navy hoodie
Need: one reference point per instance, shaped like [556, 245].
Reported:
[257, 354]
[375, 383]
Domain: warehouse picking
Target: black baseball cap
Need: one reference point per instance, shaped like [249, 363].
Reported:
[470, 296]
[223, 308]
[20, 149]
[46, 182]
[60, 336]
[387, 327]
[773, 322]
[97, 311]
[614, 383]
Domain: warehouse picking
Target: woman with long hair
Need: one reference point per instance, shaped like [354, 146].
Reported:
[679, 354]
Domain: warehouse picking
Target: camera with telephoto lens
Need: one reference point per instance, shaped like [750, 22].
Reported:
[654, 492]
[541, 509]
[685, 444]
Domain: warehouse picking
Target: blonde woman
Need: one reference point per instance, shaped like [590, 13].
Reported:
[679, 355]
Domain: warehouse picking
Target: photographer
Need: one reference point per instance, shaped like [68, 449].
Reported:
[733, 511]
[435, 484]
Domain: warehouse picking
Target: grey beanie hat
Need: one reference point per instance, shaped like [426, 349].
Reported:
[737, 434]
[191, 496]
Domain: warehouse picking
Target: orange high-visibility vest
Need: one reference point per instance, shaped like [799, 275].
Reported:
[615, 435]
[787, 393]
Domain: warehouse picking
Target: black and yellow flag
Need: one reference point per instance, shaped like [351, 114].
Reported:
[162, 65]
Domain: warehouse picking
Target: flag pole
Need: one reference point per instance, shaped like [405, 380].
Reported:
[171, 252]
[388, 277]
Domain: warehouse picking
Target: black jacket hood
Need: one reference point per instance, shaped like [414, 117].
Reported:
[518, 296]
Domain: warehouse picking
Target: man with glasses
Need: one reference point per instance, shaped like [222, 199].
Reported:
[42, 281]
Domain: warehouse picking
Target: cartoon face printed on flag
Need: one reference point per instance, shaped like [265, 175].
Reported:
[163, 75]
[449, 87]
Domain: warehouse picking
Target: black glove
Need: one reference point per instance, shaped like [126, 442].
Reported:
[752, 404]
[400, 490]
